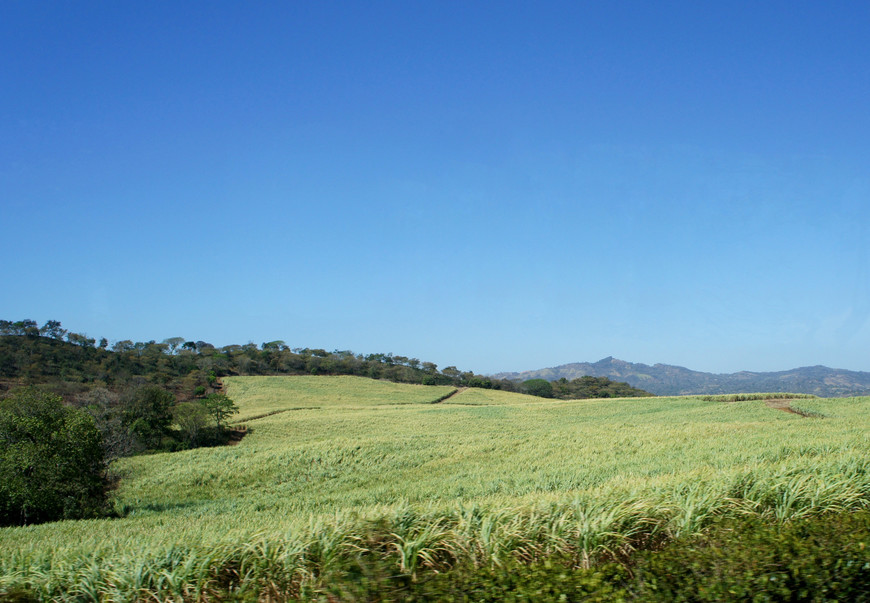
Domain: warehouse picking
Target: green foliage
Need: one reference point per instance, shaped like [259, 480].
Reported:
[818, 559]
[104, 406]
[373, 578]
[580, 388]
[51, 460]
[595, 387]
[263, 396]
[147, 413]
[756, 396]
[824, 558]
[220, 407]
[26, 328]
[33, 355]
[203, 422]
[537, 387]
[192, 419]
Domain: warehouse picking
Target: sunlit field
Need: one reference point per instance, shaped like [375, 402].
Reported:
[484, 476]
[264, 395]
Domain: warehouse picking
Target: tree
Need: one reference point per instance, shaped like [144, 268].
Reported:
[203, 347]
[22, 328]
[52, 328]
[452, 372]
[104, 406]
[173, 343]
[192, 418]
[538, 387]
[276, 345]
[220, 407]
[52, 464]
[123, 346]
[147, 413]
[80, 340]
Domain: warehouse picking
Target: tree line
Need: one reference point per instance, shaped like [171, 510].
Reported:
[582, 387]
[73, 363]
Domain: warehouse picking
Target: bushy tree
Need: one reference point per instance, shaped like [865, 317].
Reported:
[52, 464]
[594, 387]
[53, 329]
[220, 407]
[192, 418]
[538, 387]
[104, 406]
[147, 413]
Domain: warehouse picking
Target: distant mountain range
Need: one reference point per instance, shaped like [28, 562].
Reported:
[667, 380]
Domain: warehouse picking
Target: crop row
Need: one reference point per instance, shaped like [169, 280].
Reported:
[583, 531]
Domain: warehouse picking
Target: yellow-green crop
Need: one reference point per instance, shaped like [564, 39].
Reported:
[483, 476]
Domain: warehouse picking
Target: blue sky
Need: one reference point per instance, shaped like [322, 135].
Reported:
[492, 185]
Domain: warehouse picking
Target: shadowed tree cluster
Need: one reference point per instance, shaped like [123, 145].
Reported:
[594, 387]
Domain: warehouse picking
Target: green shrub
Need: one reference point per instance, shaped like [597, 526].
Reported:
[537, 387]
[813, 559]
[52, 463]
[147, 413]
[220, 407]
[817, 559]
[370, 578]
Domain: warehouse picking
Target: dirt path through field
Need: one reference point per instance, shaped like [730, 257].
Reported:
[784, 404]
[450, 395]
[236, 435]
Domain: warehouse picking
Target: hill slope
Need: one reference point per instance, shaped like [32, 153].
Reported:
[668, 380]
[339, 466]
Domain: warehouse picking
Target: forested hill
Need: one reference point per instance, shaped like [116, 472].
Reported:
[70, 363]
[664, 379]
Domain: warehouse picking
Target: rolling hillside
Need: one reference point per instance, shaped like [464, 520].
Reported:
[332, 466]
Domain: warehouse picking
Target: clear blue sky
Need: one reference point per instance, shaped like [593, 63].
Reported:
[493, 185]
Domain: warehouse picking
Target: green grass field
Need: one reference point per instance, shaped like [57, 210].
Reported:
[266, 395]
[485, 475]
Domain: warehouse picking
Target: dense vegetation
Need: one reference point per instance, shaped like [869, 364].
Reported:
[53, 456]
[824, 558]
[362, 490]
[819, 558]
[72, 363]
[52, 462]
[582, 387]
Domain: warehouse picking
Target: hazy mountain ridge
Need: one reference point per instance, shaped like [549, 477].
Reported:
[666, 379]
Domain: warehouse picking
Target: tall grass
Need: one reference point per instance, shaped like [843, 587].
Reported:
[265, 395]
[757, 396]
[423, 487]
